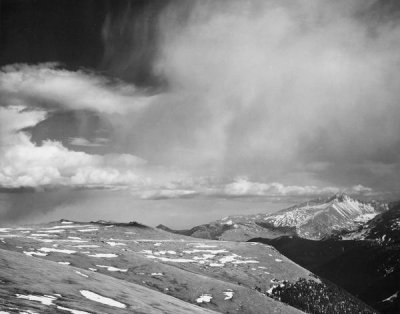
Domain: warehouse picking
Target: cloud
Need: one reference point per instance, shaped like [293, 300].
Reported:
[80, 141]
[304, 93]
[270, 87]
[26, 164]
[244, 187]
[47, 85]
[166, 194]
[297, 92]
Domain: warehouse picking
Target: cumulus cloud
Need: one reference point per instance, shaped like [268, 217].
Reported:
[47, 85]
[26, 164]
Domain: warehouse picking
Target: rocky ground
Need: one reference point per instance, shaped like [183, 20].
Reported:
[116, 268]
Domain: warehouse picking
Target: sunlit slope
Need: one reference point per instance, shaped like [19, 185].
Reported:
[41, 286]
[227, 277]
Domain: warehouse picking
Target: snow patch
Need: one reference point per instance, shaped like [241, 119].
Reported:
[245, 262]
[201, 245]
[108, 255]
[32, 253]
[391, 298]
[228, 295]
[81, 274]
[87, 230]
[45, 300]
[100, 299]
[204, 298]
[71, 310]
[115, 243]
[111, 268]
[47, 250]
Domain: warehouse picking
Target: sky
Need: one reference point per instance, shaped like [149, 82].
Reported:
[180, 112]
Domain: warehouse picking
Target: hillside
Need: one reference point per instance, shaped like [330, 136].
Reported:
[104, 267]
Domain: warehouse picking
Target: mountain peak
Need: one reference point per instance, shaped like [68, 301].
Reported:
[317, 219]
[341, 197]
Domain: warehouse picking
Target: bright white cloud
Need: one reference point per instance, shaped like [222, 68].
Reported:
[48, 85]
[26, 164]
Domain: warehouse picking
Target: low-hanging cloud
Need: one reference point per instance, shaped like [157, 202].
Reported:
[244, 187]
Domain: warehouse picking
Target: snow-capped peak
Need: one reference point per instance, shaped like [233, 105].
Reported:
[318, 218]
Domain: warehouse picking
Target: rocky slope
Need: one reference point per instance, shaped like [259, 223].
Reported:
[365, 262]
[122, 268]
[315, 219]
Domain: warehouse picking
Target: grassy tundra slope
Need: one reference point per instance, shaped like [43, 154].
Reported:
[68, 266]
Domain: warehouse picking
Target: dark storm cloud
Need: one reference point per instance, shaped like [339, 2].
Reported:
[41, 31]
[130, 39]
[290, 91]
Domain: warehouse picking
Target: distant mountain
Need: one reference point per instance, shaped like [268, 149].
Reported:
[365, 262]
[323, 217]
[316, 219]
[384, 228]
[108, 267]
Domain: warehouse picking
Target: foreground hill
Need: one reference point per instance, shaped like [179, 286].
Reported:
[123, 268]
[316, 219]
[36, 285]
[365, 262]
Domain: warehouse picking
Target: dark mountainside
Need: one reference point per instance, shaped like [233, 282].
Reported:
[366, 262]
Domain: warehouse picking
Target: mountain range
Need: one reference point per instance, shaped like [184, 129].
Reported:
[284, 262]
[106, 267]
[315, 219]
[352, 243]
